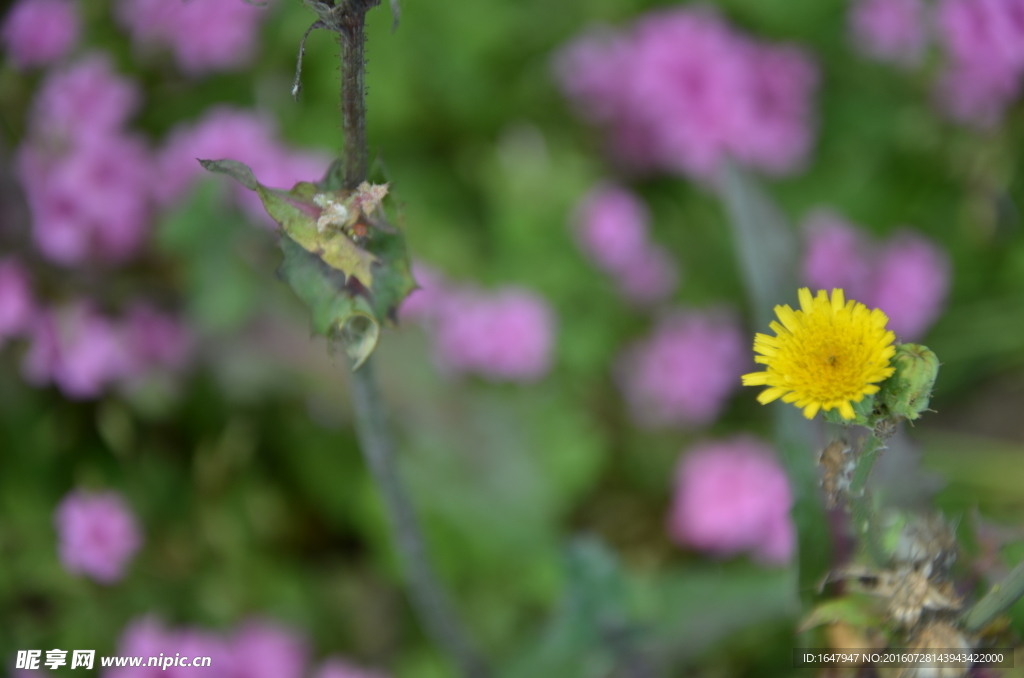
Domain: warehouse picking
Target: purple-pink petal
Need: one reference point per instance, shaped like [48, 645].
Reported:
[730, 497]
[39, 32]
[97, 535]
[685, 371]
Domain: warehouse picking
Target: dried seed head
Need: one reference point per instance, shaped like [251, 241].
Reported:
[334, 213]
[837, 464]
[908, 590]
[942, 637]
[927, 539]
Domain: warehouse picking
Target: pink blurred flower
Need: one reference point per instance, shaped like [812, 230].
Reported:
[681, 90]
[977, 95]
[97, 535]
[261, 648]
[908, 276]
[591, 69]
[423, 303]
[732, 496]
[506, 335]
[39, 32]
[91, 204]
[246, 136]
[222, 132]
[192, 643]
[83, 101]
[17, 307]
[649, 278]
[156, 339]
[78, 349]
[611, 227]
[204, 35]
[985, 43]
[683, 373]
[836, 255]
[890, 30]
[774, 130]
[148, 637]
[911, 284]
[334, 667]
[142, 637]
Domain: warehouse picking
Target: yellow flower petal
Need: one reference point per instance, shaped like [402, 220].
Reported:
[830, 353]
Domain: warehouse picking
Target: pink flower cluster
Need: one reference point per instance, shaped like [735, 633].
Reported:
[87, 181]
[236, 134]
[203, 35]
[890, 30]
[81, 350]
[984, 41]
[908, 276]
[681, 90]
[97, 535]
[611, 226]
[39, 32]
[732, 496]
[257, 648]
[84, 352]
[684, 372]
[17, 306]
[503, 335]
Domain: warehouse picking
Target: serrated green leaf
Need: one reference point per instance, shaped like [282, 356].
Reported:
[370, 278]
[345, 318]
[394, 282]
[240, 172]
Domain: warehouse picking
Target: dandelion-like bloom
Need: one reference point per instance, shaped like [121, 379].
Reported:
[829, 354]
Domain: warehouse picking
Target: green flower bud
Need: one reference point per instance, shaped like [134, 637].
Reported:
[907, 391]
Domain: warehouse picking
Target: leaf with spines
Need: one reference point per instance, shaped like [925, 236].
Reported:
[341, 257]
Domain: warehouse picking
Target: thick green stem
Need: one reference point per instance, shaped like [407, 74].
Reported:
[998, 600]
[428, 597]
[861, 505]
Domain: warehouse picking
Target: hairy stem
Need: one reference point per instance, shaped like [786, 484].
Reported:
[861, 505]
[999, 599]
[428, 598]
[352, 33]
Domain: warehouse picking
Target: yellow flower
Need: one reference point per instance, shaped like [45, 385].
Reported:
[827, 355]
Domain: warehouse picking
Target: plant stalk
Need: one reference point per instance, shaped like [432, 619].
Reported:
[427, 596]
[352, 33]
[861, 506]
[998, 600]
